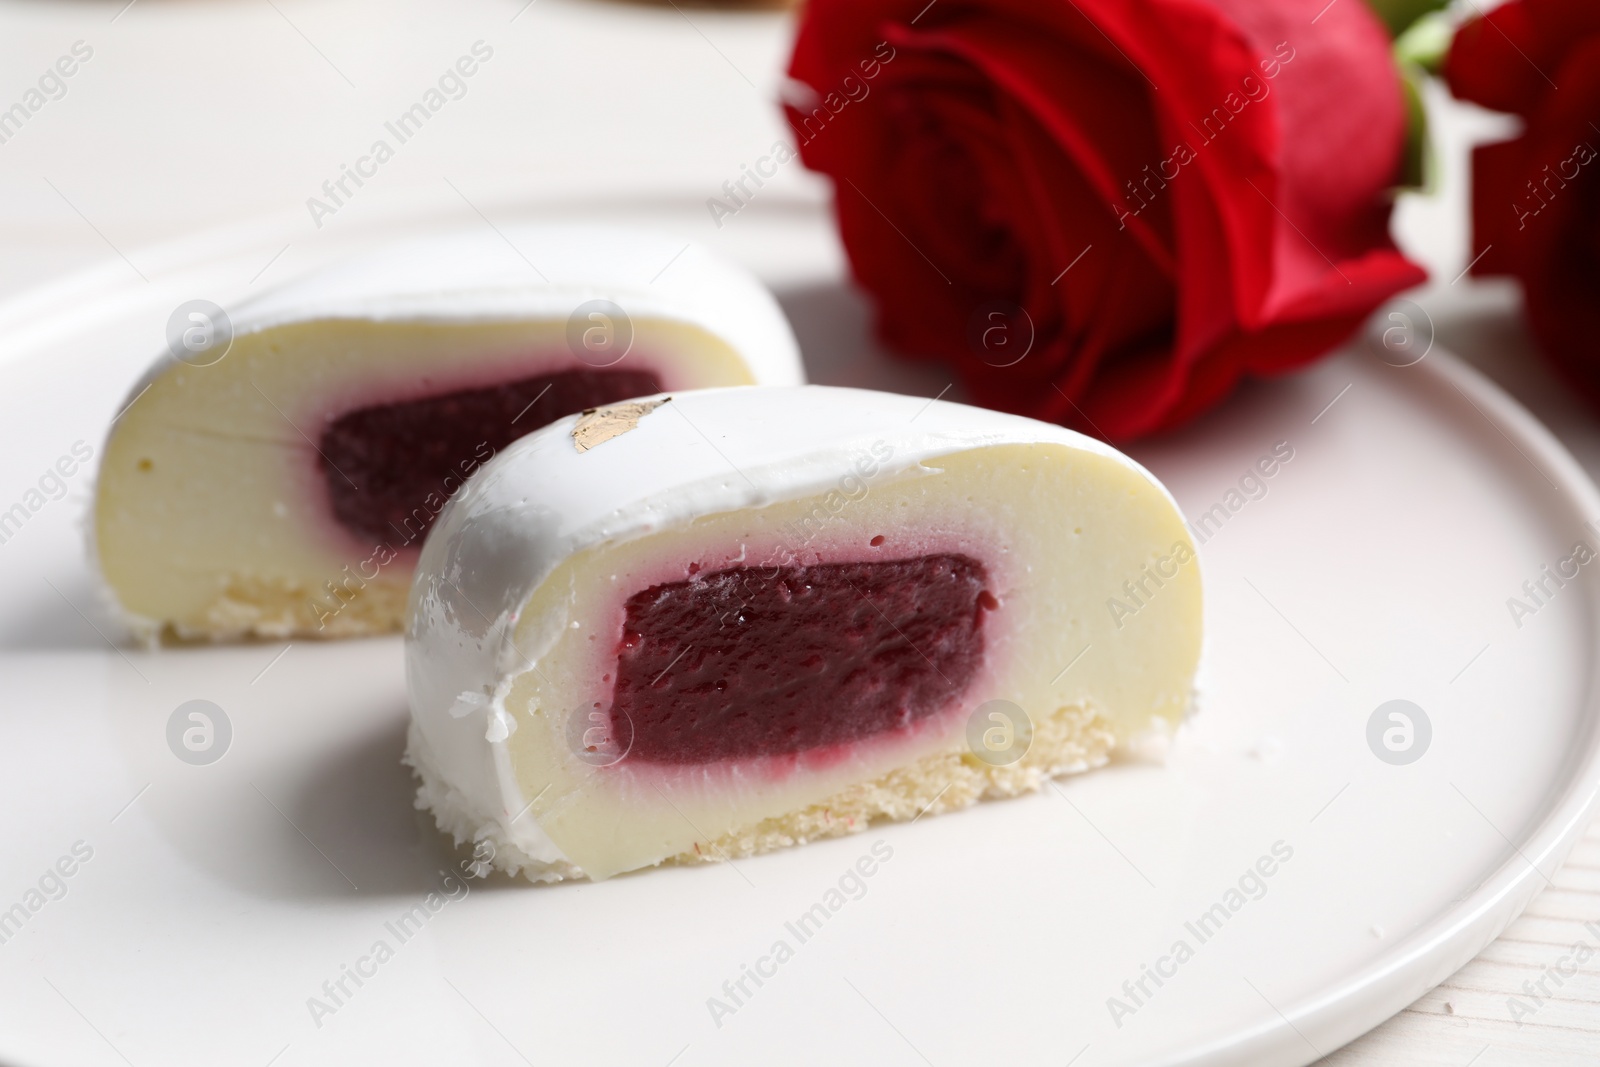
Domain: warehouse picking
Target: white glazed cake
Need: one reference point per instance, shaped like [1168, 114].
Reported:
[720, 622]
[284, 485]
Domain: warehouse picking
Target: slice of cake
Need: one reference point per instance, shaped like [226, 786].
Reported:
[711, 624]
[283, 484]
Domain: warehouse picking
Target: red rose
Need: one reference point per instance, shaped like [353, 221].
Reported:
[1177, 192]
[1535, 199]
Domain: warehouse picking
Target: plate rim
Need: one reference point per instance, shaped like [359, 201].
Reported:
[1341, 1012]
[1428, 955]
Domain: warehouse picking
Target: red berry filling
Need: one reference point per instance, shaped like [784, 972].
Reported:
[750, 662]
[389, 468]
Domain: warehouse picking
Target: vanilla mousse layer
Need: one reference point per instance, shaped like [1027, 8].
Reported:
[286, 487]
[754, 617]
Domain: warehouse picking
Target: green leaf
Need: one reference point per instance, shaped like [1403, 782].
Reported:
[1427, 42]
[1416, 161]
[1398, 15]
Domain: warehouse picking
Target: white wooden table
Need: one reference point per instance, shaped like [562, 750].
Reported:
[189, 116]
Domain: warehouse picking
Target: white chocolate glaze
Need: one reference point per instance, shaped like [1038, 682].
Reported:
[213, 513]
[534, 272]
[542, 501]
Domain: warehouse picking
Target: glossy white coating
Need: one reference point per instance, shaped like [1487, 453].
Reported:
[704, 452]
[430, 311]
[537, 272]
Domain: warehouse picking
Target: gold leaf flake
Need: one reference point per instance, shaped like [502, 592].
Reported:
[596, 426]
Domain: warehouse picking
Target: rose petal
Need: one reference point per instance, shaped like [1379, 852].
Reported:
[1498, 172]
[1507, 59]
[993, 142]
[1098, 114]
[1556, 247]
[1112, 295]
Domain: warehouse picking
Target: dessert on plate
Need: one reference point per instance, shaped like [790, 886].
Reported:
[282, 484]
[708, 624]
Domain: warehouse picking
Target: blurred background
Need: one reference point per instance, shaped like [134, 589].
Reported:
[215, 123]
[192, 116]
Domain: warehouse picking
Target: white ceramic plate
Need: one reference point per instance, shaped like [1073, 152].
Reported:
[1375, 565]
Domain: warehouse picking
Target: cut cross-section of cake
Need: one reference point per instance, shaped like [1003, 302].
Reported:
[715, 623]
[283, 484]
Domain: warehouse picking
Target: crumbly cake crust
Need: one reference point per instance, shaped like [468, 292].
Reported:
[277, 608]
[1073, 739]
